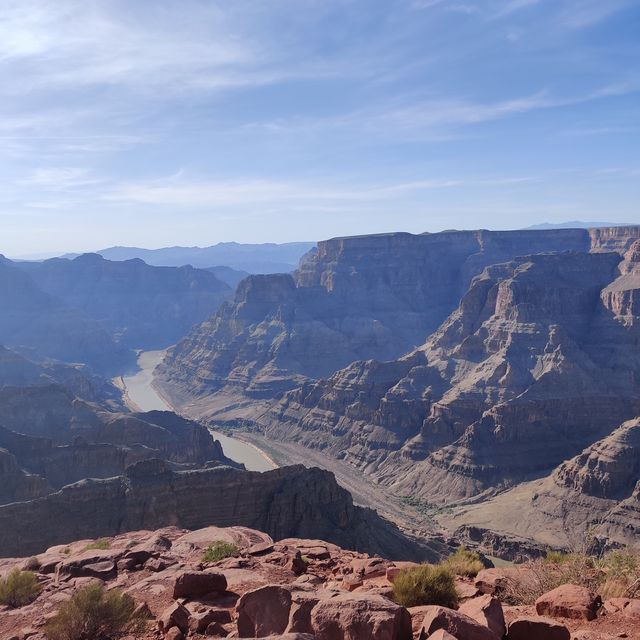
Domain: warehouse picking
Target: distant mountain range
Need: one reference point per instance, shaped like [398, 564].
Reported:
[247, 258]
[96, 311]
[578, 224]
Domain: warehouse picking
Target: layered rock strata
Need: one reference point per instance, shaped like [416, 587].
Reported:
[291, 501]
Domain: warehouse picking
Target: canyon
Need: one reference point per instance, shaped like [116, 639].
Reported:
[452, 368]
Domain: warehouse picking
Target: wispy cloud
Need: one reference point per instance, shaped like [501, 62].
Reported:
[180, 191]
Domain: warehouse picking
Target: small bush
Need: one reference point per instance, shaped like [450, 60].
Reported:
[426, 584]
[31, 564]
[95, 614]
[539, 576]
[464, 563]
[219, 550]
[19, 588]
[101, 544]
[557, 557]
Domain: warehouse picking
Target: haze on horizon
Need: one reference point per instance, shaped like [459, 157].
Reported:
[194, 122]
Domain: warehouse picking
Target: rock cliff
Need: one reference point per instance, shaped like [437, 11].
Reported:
[286, 502]
[531, 368]
[350, 299]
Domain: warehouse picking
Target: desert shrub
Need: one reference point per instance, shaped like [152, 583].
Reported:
[616, 574]
[93, 613]
[31, 564]
[101, 544]
[539, 576]
[556, 557]
[426, 584]
[464, 563]
[621, 569]
[19, 588]
[219, 550]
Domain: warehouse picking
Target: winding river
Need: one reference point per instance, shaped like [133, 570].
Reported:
[141, 396]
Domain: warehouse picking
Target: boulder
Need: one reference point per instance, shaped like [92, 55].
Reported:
[441, 634]
[537, 629]
[456, 623]
[175, 615]
[361, 616]
[370, 567]
[492, 581]
[216, 630]
[569, 601]
[302, 604]
[200, 621]
[486, 610]
[629, 607]
[193, 584]
[263, 611]
[288, 636]
[466, 590]
[174, 634]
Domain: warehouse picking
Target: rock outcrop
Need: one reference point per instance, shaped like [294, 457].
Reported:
[287, 502]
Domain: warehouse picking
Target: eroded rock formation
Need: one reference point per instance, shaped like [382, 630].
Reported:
[291, 501]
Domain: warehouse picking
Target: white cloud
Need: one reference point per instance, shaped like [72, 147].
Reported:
[62, 179]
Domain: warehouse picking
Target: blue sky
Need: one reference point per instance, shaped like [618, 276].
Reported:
[160, 122]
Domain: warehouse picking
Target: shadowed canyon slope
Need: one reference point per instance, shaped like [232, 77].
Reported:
[535, 359]
[287, 502]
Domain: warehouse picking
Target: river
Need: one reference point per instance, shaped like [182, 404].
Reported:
[141, 396]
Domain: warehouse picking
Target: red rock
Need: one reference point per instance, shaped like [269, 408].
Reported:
[156, 564]
[259, 549]
[296, 564]
[629, 607]
[350, 583]
[569, 601]
[174, 634]
[360, 617]
[441, 634]
[486, 610]
[370, 567]
[417, 617]
[466, 590]
[537, 629]
[263, 611]
[192, 584]
[492, 581]
[200, 621]
[216, 630]
[302, 603]
[288, 636]
[457, 624]
[176, 615]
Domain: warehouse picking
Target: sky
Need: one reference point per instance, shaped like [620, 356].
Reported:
[190, 122]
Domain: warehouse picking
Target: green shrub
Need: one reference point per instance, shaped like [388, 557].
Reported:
[101, 543]
[464, 563]
[19, 588]
[557, 557]
[219, 550]
[95, 614]
[426, 584]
